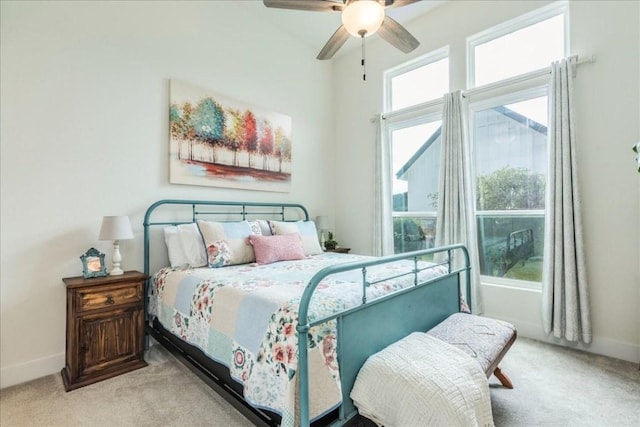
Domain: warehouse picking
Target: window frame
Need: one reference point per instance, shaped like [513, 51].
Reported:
[406, 67]
[429, 115]
[515, 24]
[428, 112]
[536, 88]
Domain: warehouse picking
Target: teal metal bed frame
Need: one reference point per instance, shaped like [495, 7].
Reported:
[360, 333]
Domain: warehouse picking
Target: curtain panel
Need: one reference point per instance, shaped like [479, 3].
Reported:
[456, 222]
[382, 215]
[565, 295]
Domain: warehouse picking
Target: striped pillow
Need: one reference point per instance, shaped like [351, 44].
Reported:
[307, 231]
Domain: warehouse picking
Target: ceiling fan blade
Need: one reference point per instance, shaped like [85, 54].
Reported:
[399, 3]
[397, 35]
[335, 42]
[312, 5]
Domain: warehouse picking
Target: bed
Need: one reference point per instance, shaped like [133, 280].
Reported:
[283, 337]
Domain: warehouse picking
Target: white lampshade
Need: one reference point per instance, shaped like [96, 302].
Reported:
[322, 222]
[363, 17]
[115, 228]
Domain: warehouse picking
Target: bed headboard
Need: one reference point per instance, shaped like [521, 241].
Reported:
[175, 212]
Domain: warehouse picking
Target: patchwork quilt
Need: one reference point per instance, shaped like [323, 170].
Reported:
[245, 317]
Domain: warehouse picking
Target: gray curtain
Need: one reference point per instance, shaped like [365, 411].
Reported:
[565, 295]
[456, 220]
[382, 216]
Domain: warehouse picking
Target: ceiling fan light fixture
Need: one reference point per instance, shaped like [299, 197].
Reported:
[362, 18]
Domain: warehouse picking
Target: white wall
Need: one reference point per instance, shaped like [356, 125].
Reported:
[608, 123]
[84, 107]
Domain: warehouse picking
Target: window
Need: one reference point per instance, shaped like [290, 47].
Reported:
[508, 135]
[415, 151]
[507, 97]
[525, 44]
[510, 150]
[430, 73]
[414, 141]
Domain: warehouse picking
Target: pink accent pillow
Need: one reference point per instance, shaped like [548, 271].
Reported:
[285, 247]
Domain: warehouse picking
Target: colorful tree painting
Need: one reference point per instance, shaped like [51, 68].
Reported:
[218, 141]
[266, 144]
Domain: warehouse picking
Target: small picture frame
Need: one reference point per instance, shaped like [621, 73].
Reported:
[93, 264]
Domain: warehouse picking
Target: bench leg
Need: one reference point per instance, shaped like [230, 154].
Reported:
[504, 379]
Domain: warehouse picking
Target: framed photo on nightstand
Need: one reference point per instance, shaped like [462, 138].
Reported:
[93, 264]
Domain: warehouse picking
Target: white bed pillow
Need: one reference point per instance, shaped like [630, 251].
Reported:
[192, 245]
[307, 231]
[184, 246]
[174, 247]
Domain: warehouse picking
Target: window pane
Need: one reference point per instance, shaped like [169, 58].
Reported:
[511, 162]
[528, 49]
[432, 79]
[511, 246]
[416, 155]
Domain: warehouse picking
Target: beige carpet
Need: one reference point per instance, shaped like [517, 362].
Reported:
[165, 393]
[554, 386]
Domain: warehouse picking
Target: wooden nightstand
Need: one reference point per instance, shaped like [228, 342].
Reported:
[339, 250]
[105, 328]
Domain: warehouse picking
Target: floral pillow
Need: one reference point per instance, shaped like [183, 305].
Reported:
[218, 254]
[260, 227]
[227, 243]
[270, 249]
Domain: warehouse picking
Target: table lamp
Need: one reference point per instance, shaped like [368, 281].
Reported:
[116, 228]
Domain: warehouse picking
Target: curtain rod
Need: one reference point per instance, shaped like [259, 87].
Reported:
[588, 59]
[527, 76]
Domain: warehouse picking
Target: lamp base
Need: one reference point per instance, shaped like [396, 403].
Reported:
[116, 271]
[116, 259]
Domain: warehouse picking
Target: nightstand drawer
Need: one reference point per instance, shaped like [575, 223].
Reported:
[92, 299]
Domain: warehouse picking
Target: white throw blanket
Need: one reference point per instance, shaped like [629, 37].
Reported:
[423, 381]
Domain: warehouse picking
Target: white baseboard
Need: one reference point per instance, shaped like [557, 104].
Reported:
[38, 368]
[31, 370]
[23, 372]
[599, 345]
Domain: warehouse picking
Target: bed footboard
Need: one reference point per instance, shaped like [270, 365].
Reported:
[370, 327]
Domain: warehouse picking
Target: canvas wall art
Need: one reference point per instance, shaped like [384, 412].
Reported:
[221, 142]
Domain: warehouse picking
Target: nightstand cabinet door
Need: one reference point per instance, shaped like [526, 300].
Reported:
[105, 328]
[108, 341]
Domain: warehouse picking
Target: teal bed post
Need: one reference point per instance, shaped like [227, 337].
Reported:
[303, 345]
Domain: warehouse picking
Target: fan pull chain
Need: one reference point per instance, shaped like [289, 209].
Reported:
[364, 67]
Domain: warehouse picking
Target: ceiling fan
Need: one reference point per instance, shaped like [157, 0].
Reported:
[360, 18]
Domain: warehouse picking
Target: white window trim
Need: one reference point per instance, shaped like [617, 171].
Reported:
[518, 23]
[536, 89]
[403, 68]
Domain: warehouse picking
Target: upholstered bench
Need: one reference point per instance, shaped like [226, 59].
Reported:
[486, 340]
[393, 385]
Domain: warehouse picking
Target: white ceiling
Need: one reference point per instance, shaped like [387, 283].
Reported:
[315, 28]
